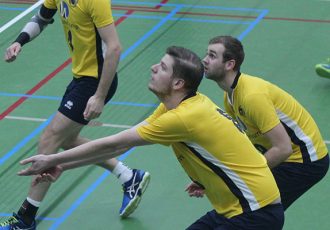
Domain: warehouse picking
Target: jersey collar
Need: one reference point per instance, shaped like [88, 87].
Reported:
[189, 95]
[236, 80]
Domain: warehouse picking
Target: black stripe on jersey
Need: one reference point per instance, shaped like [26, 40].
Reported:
[99, 53]
[302, 145]
[231, 185]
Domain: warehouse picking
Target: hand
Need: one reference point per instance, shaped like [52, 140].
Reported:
[94, 108]
[194, 190]
[40, 163]
[12, 52]
[50, 175]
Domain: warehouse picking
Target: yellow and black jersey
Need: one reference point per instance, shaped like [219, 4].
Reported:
[215, 153]
[80, 19]
[259, 106]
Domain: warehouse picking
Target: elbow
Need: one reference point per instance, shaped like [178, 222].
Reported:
[116, 50]
[287, 150]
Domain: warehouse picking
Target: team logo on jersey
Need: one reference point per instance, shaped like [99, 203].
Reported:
[241, 111]
[64, 10]
[73, 2]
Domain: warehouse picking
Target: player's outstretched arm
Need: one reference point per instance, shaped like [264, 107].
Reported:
[89, 153]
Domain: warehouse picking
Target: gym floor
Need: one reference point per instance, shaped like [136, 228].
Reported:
[283, 41]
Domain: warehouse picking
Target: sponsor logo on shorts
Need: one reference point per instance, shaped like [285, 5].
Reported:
[69, 104]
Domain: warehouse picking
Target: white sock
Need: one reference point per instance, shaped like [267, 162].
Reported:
[123, 172]
[33, 202]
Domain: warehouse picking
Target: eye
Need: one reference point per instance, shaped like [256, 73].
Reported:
[211, 55]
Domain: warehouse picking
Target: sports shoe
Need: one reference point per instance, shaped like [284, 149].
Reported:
[133, 190]
[323, 69]
[16, 223]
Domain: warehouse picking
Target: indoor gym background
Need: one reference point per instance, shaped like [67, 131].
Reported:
[283, 41]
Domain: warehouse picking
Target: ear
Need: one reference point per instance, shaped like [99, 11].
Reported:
[230, 65]
[178, 83]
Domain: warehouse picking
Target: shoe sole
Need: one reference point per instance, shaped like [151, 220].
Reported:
[134, 203]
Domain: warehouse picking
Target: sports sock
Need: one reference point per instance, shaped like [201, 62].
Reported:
[123, 172]
[28, 211]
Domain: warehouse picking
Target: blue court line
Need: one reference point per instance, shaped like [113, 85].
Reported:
[89, 190]
[253, 24]
[149, 33]
[25, 140]
[59, 99]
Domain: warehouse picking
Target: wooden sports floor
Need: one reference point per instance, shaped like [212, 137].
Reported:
[283, 41]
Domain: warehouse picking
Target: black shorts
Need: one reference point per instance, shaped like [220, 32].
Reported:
[294, 179]
[270, 217]
[77, 94]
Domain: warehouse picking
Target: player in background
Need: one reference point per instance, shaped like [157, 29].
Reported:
[276, 123]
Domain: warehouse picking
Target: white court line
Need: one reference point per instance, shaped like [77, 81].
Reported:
[21, 15]
[92, 123]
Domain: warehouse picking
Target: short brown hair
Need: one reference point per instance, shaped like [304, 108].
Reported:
[233, 49]
[187, 65]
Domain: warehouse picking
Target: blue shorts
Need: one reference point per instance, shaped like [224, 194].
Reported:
[270, 217]
[77, 94]
[294, 179]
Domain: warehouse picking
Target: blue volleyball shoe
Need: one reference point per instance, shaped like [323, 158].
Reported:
[133, 191]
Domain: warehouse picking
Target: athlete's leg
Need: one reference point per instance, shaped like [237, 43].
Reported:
[134, 181]
[50, 141]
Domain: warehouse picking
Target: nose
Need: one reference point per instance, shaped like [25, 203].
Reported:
[204, 61]
[154, 68]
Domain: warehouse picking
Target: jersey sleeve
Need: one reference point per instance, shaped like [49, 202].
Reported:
[101, 12]
[158, 112]
[261, 111]
[50, 4]
[166, 129]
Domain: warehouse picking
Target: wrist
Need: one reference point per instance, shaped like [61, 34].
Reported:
[22, 38]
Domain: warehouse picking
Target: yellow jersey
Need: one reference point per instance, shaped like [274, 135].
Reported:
[259, 106]
[80, 19]
[215, 154]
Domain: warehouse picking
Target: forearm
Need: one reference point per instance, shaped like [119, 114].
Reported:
[36, 25]
[96, 158]
[110, 64]
[276, 156]
[88, 153]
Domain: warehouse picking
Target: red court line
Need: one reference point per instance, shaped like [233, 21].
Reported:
[56, 71]
[19, 2]
[147, 9]
[34, 89]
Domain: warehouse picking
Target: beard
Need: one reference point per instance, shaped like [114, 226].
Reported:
[215, 76]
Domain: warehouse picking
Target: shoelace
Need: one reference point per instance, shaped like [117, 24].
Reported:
[11, 220]
[130, 189]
